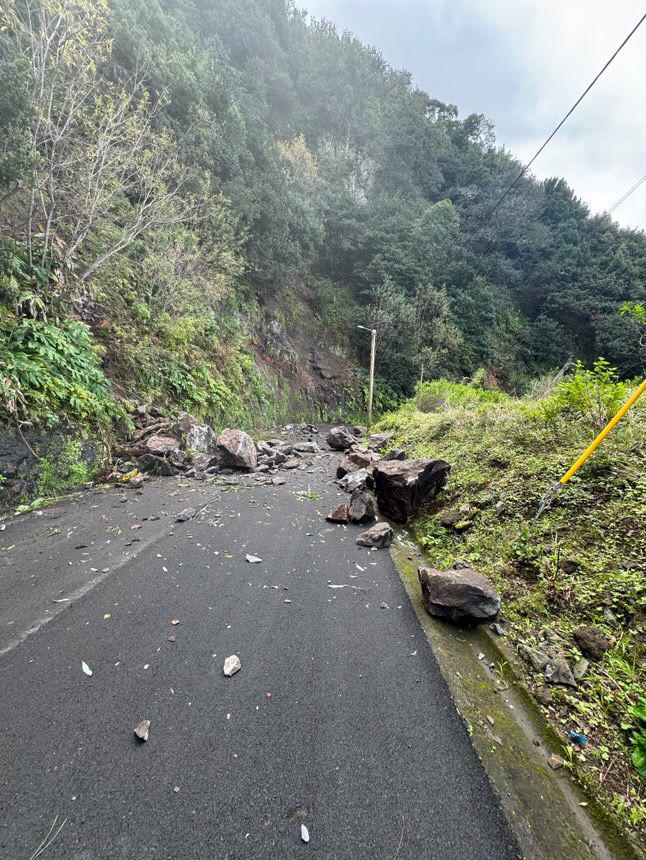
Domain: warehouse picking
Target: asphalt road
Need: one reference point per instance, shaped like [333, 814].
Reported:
[339, 718]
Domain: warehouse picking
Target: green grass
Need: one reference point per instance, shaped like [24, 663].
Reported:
[505, 453]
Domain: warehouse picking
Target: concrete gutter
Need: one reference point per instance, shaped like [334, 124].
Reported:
[542, 806]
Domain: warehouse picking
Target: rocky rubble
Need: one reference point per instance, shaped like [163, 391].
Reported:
[161, 446]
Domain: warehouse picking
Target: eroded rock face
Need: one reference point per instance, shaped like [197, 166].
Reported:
[237, 449]
[340, 438]
[458, 595]
[402, 486]
[361, 508]
[380, 535]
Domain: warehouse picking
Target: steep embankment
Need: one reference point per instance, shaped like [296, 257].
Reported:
[572, 583]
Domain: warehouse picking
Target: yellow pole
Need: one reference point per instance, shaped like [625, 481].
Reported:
[595, 444]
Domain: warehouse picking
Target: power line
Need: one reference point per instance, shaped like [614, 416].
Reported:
[625, 196]
[565, 118]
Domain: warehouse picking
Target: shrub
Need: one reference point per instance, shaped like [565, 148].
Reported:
[52, 371]
[592, 395]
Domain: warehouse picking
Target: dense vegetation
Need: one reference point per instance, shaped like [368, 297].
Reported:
[180, 175]
[582, 562]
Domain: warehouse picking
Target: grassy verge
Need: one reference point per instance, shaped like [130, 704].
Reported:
[581, 563]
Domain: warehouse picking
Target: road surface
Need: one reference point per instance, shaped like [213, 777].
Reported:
[339, 718]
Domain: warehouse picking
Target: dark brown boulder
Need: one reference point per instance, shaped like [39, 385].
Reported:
[237, 450]
[402, 486]
[592, 643]
[380, 535]
[458, 595]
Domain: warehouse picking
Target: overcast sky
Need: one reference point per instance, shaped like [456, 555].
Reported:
[523, 63]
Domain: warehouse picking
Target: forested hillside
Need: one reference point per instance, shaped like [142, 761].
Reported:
[200, 199]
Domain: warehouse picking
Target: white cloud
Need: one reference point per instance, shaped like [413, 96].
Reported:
[524, 63]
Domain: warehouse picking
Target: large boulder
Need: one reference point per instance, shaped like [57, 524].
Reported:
[197, 438]
[402, 486]
[458, 595]
[340, 438]
[237, 450]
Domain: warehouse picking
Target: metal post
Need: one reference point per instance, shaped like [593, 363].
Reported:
[373, 349]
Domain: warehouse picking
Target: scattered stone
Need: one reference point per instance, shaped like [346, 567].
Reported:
[544, 696]
[380, 535]
[142, 730]
[185, 515]
[458, 595]
[237, 449]
[498, 629]
[555, 761]
[278, 481]
[552, 636]
[610, 618]
[591, 641]
[340, 438]
[305, 834]
[307, 447]
[292, 463]
[253, 559]
[204, 461]
[345, 467]
[378, 441]
[175, 622]
[581, 668]
[155, 465]
[135, 483]
[395, 454]
[162, 444]
[360, 457]
[339, 514]
[354, 481]
[558, 672]
[361, 508]
[450, 517]
[402, 486]
[232, 665]
[538, 660]
[569, 566]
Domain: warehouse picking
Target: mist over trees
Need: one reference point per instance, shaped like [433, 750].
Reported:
[173, 167]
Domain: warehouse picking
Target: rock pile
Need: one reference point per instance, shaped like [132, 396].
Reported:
[162, 446]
